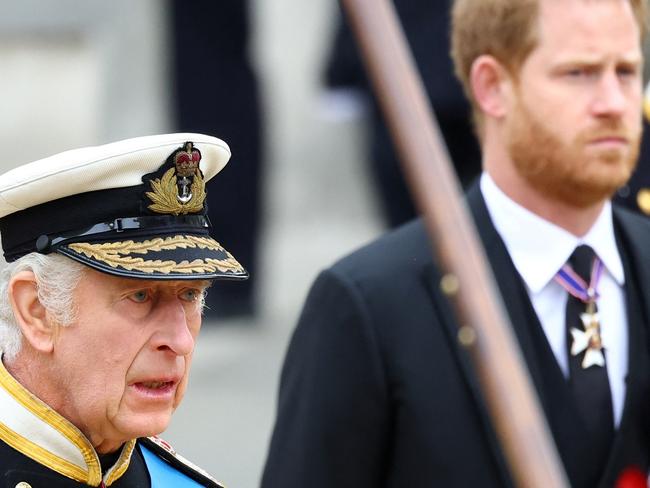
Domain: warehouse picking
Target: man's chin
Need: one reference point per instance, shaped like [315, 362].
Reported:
[143, 424]
[579, 193]
[605, 184]
[596, 183]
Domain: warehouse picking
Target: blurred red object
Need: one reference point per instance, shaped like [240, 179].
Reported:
[632, 477]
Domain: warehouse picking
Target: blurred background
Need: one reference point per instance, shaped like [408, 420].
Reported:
[83, 73]
[312, 176]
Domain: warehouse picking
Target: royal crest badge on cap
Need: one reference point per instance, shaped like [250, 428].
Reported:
[134, 208]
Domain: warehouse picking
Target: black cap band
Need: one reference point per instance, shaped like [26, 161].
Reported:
[163, 224]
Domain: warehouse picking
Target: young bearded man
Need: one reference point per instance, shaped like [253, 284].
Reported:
[376, 391]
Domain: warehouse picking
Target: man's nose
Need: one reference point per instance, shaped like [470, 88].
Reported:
[611, 97]
[172, 332]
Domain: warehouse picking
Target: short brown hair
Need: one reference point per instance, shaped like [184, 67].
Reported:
[505, 29]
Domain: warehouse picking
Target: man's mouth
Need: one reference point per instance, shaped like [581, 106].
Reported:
[156, 388]
[609, 142]
[155, 385]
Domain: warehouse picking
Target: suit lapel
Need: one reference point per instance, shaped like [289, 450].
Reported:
[509, 285]
[508, 281]
[445, 315]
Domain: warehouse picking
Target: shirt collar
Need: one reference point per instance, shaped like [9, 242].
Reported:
[539, 248]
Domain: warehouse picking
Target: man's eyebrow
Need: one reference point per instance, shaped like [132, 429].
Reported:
[205, 284]
[591, 59]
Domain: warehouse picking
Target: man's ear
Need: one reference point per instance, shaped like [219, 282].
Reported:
[30, 313]
[491, 84]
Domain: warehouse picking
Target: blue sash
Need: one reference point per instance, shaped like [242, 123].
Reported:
[163, 475]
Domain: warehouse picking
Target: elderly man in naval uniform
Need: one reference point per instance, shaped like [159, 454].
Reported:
[109, 254]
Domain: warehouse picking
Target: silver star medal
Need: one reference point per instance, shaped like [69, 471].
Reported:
[589, 340]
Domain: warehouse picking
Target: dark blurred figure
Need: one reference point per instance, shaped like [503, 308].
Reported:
[426, 24]
[216, 93]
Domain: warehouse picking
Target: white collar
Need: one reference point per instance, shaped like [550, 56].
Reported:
[539, 248]
[40, 433]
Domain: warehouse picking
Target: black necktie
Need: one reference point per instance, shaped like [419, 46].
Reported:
[590, 386]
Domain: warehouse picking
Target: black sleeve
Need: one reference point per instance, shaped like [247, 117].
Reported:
[333, 410]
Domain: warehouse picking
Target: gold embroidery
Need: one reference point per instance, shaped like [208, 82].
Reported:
[121, 465]
[116, 254]
[153, 245]
[42, 456]
[165, 193]
[62, 425]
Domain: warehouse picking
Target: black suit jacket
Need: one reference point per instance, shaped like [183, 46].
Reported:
[375, 390]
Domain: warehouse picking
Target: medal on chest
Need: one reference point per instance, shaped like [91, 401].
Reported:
[587, 339]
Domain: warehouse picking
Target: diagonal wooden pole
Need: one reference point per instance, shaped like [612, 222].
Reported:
[484, 327]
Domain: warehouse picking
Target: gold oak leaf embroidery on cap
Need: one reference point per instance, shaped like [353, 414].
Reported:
[119, 254]
[165, 195]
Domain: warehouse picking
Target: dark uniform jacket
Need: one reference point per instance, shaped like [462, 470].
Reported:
[377, 392]
[41, 449]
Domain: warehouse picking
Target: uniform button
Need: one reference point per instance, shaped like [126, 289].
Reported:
[23, 484]
[643, 200]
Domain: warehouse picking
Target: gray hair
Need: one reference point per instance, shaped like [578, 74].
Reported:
[56, 276]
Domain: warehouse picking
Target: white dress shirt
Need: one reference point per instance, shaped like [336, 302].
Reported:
[538, 250]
